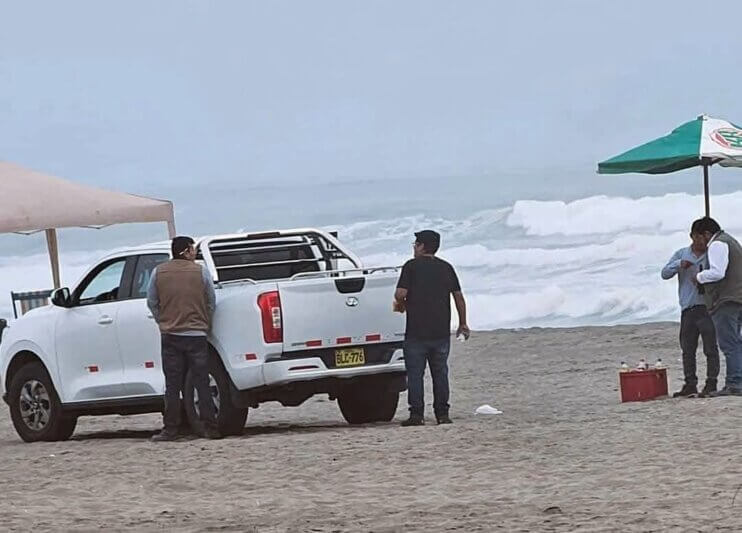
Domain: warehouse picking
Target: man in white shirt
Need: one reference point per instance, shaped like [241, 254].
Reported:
[721, 283]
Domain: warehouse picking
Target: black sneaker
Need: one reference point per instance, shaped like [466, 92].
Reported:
[185, 430]
[414, 420]
[444, 419]
[212, 433]
[165, 435]
[708, 390]
[687, 391]
[726, 391]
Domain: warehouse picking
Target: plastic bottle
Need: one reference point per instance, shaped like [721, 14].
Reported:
[659, 364]
[642, 364]
[624, 367]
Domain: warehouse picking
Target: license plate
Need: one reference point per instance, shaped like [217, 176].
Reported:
[350, 357]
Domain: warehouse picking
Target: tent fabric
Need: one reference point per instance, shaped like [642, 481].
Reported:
[31, 201]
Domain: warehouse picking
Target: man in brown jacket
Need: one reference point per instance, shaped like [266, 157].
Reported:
[182, 300]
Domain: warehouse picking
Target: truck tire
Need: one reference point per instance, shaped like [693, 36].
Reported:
[368, 402]
[35, 408]
[230, 419]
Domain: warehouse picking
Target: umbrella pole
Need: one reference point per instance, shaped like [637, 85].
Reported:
[52, 245]
[706, 188]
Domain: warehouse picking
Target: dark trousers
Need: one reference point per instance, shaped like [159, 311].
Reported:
[694, 322]
[435, 353]
[728, 320]
[181, 353]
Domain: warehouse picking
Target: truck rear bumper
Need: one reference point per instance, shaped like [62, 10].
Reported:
[297, 392]
[282, 371]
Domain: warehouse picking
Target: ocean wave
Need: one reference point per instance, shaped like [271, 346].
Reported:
[536, 263]
[611, 215]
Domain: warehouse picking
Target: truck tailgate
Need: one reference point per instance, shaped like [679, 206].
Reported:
[339, 311]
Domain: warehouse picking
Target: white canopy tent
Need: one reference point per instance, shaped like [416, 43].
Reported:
[31, 202]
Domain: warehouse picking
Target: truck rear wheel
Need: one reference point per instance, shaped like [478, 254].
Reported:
[35, 408]
[368, 402]
[230, 419]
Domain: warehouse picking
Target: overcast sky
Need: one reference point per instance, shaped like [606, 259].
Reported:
[142, 94]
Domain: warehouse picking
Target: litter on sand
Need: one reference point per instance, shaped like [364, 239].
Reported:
[487, 410]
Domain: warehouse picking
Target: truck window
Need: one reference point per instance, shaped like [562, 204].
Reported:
[104, 285]
[146, 264]
[262, 264]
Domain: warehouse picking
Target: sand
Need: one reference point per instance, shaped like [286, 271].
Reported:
[565, 455]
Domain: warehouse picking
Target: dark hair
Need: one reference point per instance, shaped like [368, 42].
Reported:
[702, 225]
[431, 240]
[180, 245]
[431, 248]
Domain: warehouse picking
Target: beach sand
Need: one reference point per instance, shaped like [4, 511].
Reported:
[565, 455]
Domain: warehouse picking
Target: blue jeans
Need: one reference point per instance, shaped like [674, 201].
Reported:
[435, 353]
[728, 320]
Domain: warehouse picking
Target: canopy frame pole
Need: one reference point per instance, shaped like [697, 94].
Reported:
[706, 197]
[53, 247]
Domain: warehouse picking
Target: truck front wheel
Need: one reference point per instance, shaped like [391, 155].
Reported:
[35, 408]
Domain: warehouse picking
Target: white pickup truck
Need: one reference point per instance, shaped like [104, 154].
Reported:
[297, 314]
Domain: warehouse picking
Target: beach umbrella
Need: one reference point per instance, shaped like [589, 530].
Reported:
[703, 142]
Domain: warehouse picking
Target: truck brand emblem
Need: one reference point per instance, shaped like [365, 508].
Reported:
[351, 301]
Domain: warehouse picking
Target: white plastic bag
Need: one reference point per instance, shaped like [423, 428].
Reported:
[487, 410]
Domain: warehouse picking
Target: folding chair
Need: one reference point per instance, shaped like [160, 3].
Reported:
[29, 300]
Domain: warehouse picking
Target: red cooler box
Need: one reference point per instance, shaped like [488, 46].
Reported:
[640, 385]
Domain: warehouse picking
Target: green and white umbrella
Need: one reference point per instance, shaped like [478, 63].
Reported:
[702, 142]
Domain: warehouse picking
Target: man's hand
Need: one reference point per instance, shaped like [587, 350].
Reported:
[463, 330]
[400, 300]
[685, 264]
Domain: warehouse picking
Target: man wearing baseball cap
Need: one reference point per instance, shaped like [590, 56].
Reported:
[424, 293]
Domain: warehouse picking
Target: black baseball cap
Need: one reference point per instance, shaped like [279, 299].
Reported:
[431, 239]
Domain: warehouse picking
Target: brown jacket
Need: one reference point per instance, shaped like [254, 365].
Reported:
[184, 303]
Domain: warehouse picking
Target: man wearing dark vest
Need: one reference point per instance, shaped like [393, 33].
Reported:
[721, 283]
[182, 300]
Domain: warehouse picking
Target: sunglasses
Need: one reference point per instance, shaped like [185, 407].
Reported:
[190, 248]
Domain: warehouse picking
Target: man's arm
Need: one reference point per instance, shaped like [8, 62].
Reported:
[210, 294]
[400, 294]
[673, 265]
[718, 257]
[458, 299]
[153, 298]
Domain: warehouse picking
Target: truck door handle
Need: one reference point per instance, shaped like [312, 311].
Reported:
[149, 315]
[104, 320]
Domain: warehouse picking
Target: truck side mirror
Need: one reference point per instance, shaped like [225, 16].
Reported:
[61, 297]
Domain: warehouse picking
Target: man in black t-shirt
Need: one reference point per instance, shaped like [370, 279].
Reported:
[424, 292]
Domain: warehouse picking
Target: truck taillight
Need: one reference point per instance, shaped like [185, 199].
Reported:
[270, 311]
